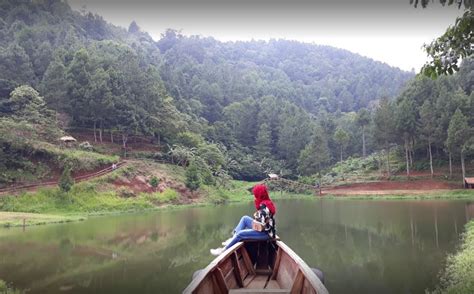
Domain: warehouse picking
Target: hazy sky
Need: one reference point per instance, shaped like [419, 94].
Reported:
[391, 31]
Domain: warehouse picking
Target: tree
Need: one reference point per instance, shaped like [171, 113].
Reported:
[192, 177]
[458, 135]
[363, 119]
[66, 181]
[406, 125]
[384, 123]
[455, 44]
[342, 138]
[315, 155]
[428, 127]
[263, 145]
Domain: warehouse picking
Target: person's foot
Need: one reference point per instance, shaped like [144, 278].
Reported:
[217, 251]
[226, 242]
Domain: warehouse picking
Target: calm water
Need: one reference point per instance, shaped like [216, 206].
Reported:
[362, 246]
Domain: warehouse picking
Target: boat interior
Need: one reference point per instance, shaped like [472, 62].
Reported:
[258, 267]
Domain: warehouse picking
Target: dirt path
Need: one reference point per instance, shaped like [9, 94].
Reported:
[78, 178]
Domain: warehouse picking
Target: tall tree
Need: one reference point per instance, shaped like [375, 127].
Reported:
[459, 134]
[406, 125]
[263, 145]
[315, 155]
[428, 127]
[342, 138]
[363, 120]
[385, 124]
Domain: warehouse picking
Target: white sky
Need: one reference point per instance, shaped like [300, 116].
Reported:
[391, 31]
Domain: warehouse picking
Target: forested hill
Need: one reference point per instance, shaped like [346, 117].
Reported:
[311, 76]
[265, 105]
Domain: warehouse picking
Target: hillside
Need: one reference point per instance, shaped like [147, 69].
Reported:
[238, 109]
[311, 76]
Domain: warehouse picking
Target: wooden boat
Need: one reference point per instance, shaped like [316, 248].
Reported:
[256, 267]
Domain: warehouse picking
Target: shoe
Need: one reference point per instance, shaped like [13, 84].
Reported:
[226, 242]
[217, 251]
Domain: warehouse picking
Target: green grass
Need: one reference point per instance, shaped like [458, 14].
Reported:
[168, 195]
[458, 276]
[453, 194]
[5, 289]
[83, 198]
[18, 219]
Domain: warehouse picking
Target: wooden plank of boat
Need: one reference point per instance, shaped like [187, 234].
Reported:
[257, 267]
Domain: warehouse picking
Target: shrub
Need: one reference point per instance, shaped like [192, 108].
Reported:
[192, 177]
[66, 181]
[154, 182]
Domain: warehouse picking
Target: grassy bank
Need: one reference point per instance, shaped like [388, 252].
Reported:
[5, 289]
[445, 195]
[119, 192]
[458, 276]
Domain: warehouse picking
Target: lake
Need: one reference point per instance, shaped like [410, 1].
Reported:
[361, 246]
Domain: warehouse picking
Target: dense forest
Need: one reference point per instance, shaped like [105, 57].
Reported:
[221, 108]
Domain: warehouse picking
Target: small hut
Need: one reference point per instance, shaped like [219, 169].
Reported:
[67, 140]
[273, 176]
[469, 183]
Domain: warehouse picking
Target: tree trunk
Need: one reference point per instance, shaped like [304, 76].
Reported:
[388, 161]
[407, 157]
[95, 135]
[341, 153]
[431, 159]
[463, 168]
[124, 144]
[111, 136]
[363, 142]
[100, 131]
[450, 165]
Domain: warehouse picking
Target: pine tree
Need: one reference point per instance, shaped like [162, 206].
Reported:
[342, 138]
[428, 127]
[192, 177]
[264, 141]
[363, 119]
[406, 125]
[458, 135]
[384, 123]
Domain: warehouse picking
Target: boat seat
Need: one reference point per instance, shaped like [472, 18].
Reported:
[266, 291]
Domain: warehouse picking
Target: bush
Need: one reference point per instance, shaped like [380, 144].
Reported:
[154, 182]
[192, 177]
[66, 181]
[458, 276]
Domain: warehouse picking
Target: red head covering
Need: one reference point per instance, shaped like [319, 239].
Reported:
[261, 197]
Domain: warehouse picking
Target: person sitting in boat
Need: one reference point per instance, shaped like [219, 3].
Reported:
[260, 227]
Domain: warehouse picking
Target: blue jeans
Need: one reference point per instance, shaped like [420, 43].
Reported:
[244, 231]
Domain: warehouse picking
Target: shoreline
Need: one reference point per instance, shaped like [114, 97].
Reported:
[22, 219]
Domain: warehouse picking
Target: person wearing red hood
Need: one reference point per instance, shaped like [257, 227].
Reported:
[244, 230]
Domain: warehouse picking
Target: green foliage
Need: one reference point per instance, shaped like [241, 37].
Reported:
[351, 169]
[5, 289]
[168, 195]
[66, 181]
[458, 132]
[458, 275]
[315, 155]
[455, 44]
[154, 182]
[189, 139]
[84, 199]
[192, 176]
